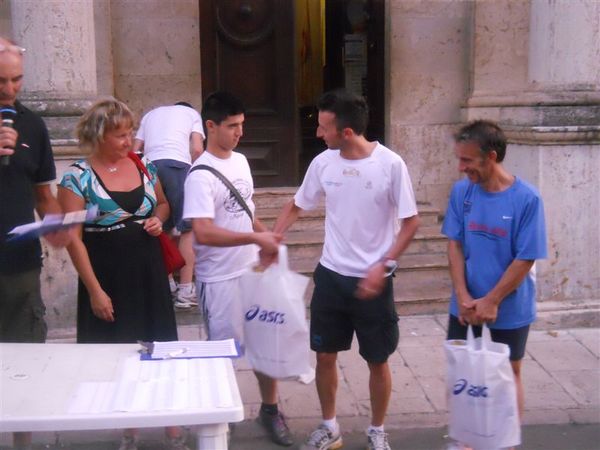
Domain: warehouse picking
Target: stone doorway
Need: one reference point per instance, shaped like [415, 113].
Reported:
[279, 57]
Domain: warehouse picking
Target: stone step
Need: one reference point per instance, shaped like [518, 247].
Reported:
[315, 219]
[269, 202]
[310, 241]
[416, 291]
[407, 264]
[273, 198]
[308, 220]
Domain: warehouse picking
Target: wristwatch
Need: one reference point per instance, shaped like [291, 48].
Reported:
[389, 264]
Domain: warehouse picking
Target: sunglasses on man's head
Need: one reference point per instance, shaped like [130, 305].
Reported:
[12, 48]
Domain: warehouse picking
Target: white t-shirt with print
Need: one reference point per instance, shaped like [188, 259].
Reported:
[166, 132]
[205, 196]
[364, 200]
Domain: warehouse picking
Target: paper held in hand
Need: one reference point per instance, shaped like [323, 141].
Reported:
[52, 222]
[189, 349]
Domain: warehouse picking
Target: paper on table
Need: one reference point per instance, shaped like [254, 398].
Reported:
[194, 349]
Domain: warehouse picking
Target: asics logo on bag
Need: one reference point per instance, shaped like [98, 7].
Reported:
[473, 390]
[264, 315]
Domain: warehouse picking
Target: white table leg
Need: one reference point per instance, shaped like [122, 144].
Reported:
[212, 437]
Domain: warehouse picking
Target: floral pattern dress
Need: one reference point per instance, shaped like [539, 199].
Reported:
[126, 260]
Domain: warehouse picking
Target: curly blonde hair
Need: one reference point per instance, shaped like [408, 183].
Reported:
[103, 116]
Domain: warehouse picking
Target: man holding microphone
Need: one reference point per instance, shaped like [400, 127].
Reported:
[26, 171]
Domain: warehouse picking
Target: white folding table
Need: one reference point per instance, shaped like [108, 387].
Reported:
[62, 387]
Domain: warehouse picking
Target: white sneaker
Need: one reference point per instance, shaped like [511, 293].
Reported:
[323, 439]
[187, 295]
[179, 304]
[172, 285]
[377, 440]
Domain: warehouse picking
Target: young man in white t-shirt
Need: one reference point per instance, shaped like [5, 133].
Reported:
[227, 239]
[368, 194]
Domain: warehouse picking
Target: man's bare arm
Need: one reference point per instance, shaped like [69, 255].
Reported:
[288, 215]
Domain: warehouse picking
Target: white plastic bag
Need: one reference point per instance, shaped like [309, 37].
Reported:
[482, 398]
[276, 334]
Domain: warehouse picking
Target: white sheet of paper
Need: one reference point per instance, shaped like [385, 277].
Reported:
[194, 349]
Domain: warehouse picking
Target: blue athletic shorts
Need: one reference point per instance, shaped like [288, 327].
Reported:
[171, 174]
[336, 314]
[515, 338]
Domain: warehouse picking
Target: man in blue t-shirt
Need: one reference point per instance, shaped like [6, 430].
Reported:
[495, 224]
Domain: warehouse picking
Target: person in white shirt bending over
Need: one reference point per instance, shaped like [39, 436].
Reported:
[172, 138]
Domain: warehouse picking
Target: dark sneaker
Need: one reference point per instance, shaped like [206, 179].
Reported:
[377, 440]
[323, 439]
[277, 428]
[128, 443]
[176, 443]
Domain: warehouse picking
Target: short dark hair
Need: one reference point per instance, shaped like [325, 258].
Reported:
[350, 110]
[487, 134]
[218, 106]
[189, 105]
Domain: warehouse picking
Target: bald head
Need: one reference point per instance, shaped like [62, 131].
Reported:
[11, 71]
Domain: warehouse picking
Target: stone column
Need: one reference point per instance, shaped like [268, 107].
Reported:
[60, 62]
[550, 109]
[428, 69]
[564, 43]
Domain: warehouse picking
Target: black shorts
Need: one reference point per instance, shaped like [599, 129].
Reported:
[515, 338]
[336, 314]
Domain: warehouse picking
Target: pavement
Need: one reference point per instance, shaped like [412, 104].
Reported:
[561, 373]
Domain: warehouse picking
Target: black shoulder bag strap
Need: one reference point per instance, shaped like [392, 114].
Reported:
[228, 184]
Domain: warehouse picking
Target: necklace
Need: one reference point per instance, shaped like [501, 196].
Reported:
[110, 169]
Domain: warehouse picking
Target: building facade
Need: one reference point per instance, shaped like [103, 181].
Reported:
[425, 66]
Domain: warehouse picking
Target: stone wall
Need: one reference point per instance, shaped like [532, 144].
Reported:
[429, 56]
[156, 52]
[446, 62]
[5, 21]
[567, 177]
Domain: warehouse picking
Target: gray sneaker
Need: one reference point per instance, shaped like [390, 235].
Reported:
[176, 443]
[323, 439]
[377, 440]
[128, 443]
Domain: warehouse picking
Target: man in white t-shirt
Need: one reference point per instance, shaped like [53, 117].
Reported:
[227, 239]
[368, 194]
[172, 137]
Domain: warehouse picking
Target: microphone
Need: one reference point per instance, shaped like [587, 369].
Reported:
[8, 120]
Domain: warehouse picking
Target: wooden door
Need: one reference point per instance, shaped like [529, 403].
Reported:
[368, 20]
[247, 48]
